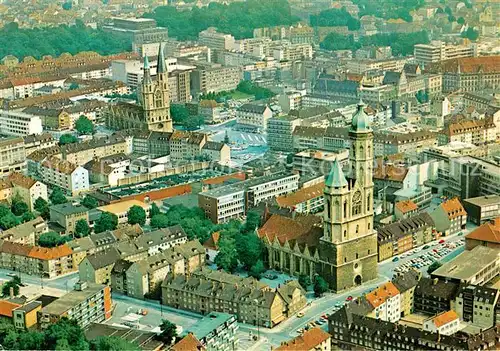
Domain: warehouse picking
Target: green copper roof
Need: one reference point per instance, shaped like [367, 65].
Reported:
[360, 119]
[336, 177]
[161, 61]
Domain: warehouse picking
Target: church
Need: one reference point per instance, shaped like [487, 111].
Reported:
[342, 245]
[153, 111]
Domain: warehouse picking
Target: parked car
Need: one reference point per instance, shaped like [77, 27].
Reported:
[300, 314]
[349, 298]
[395, 259]
[441, 241]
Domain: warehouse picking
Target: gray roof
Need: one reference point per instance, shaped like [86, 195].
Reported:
[160, 236]
[104, 258]
[209, 323]
[213, 145]
[407, 226]
[391, 78]
[254, 108]
[69, 208]
[406, 281]
[72, 299]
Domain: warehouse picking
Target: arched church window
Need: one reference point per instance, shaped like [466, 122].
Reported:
[356, 203]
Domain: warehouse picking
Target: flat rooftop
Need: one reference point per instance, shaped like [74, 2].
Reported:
[209, 323]
[484, 200]
[71, 299]
[144, 339]
[466, 265]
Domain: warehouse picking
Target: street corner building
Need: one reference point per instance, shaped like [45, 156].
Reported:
[343, 248]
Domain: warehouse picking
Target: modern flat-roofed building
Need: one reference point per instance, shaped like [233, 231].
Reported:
[19, 123]
[88, 303]
[477, 305]
[216, 331]
[438, 51]
[318, 162]
[482, 208]
[215, 78]
[477, 266]
[13, 155]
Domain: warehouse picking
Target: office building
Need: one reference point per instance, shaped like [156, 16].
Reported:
[482, 209]
[216, 331]
[214, 78]
[19, 123]
[437, 51]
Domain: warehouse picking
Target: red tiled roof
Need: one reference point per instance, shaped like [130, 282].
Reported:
[406, 206]
[445, 318]
[378, 296]
[43, 253]
[453, 208]
[213, 241]
[489, 231]
[188, 343]
[285, 228]
[7, 307]
[307, 341]
[302, 195]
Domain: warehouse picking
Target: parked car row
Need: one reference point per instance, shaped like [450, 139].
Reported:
[323, 319]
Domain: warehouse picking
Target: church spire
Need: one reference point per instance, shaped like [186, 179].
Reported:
[336, 178]
[147, 72]
[161, 60]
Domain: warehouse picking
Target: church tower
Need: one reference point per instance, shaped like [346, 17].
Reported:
[348, 217]
[155, 96]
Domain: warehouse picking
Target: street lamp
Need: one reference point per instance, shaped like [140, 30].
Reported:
[257, 317]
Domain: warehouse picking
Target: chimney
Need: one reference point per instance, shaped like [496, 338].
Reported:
[11, 292]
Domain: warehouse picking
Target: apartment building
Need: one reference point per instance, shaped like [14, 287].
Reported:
[186, 145]
[482, 208]
[476, 132]
[438, 51]
[306, 200]
[449, 217]
[26, 233]
[251, 301]
[404, 235]
[64, 174]
[318, 138]
[13, 155]
[405, 209]
[254, 115]
[18, 123]
[88, 303]
[215, 40]
[385, 301]
[214, 78]
[286, 51]
[27, 188]
[476, 305]
[40, 261]
[311, 340]
[477, 266]
[36, 142]
[216, 331]
[358, 66]
[406, 284]
[389, 143]
[66, 215]
[280, 132]
[81, 153]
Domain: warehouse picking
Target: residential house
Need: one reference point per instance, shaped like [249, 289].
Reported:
[96, 268]
[488, 234]
[217, 152]
[311, 340]
[186, 145]
[212, 246]
[26, 233]
[406, 284]
[26, 316]
[28, 189]
[405, 209]
[254, 115]
[386, 303]
[449, 217]
[433, 296]
[477, 305]
[36, 142]
[445, 323]
[66, 215]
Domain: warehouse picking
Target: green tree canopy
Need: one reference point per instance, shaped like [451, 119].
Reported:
[107, 221]
[112, 343]
[320, 286]
[257, 269]
[8, 221]
[57, 196]
[470, 34]
[27, 216]
[227, 257]
[252, 222]
[179, 113]
[52, 239]
[168, 332]
[250, 88]
[67, 139]
[82, 228]
[334, 18]
[249, 248]
[42, 206]
[304, 281]
[18, 206]
[90, 202]
[136, 215]
[14, 284]
[84, 126]
[4, 210]
[159, 221]
[154, 210]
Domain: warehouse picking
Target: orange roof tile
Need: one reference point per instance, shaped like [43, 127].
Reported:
[7, 307]
[453, 208]
[302, 195]
[44, 253]
[21, 180]
[444, 318]
[486, 64]
[378, 296]
[188, 343]
[213, 241]
[285, 228]
[15, 248]
[489, 231]
[391, 172]
[307, 341]
[406, 206]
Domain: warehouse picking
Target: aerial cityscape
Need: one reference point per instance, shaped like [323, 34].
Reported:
[226, 175]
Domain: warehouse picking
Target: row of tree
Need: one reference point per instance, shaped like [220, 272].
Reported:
[181, 116]
[237, 18]
[58, 40]
[334, 18]
[401, 43]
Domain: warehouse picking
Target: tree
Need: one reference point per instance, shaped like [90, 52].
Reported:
[107, 221]
[252, 222]
[159, 221]
[67, 6]
[227, 257]
[257, 270]
[154, 210]
[52, 239]
[194, 122]
[304, 281]
[67, 139]
[8, 221]
[18, 206]
[112, 343]
[4, 210]
[179, 113]
[42, 206]
[82, 228]
[8, 285]
[57, 196]
[136, 215]
[64, 329]
[249, 248]
[320, 286]
[470, 34]
[84, 126]
[435, 265]
[461, 20]
[73, 86]
[168, 332]
[27, 216]
[90, 202]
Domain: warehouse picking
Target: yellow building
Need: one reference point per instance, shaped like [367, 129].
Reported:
[120, 209]
[406, 284]
[25, 317]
